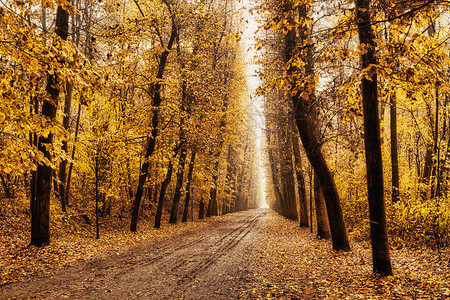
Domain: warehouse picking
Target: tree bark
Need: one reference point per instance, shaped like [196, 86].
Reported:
[300, 183]
[97, 195]
[278, 207]
[311, 199]
[374, 163]
[69, 175]
[287, 175]
[188, 187]
[394, 151]
[40, 207]
[63, 165]
[162, 194]
[212, 205]
[179, 185]
[323, 229]
[201, 210]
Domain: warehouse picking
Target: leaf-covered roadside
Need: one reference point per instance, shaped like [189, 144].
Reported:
[73, 241]
[292, 264]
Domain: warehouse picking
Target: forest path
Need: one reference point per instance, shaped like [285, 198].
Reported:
[205, 263]
[255, 254]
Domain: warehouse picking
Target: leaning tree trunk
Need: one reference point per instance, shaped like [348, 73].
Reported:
[374, 162]
[40, 209]
[304, 117]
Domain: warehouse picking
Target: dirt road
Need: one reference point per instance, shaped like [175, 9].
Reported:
[255, 254]
[212, 262]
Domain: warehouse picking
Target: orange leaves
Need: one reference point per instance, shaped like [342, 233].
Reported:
[368, 72]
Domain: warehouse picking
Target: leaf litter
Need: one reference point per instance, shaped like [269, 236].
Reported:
[284, 262]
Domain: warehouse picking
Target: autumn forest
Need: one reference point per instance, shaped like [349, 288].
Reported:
[186, 139]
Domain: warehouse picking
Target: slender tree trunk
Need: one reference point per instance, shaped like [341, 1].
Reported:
[162, 194]
[188, 187]
[440, 178]
[156, 88]
[179, 185]
[40, 210]
[212, 205]
[374, 163]
[69, 175]
[436, 152]
[227, 200]
[97, 195]
[63, 165]
[300, 183]
[311, 199]
[394, 151]
[34, 142]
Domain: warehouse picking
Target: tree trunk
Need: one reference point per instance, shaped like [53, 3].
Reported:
[436, 150]
[201, 210]
[40, 209]
[188, 187]
[311, 199]
[156, 88]
[162, 194]
[287, 175]
[212, 205]
[378, 228]
[179, 185]
[304, 117]
[97, 195]
[69, 175]
[228, 199]
[300, 183]
[276, 185]
[63, 165]
[394, 151]
[323, 229]
[34, 142]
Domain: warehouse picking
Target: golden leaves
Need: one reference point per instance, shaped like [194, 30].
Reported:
[369, 72]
